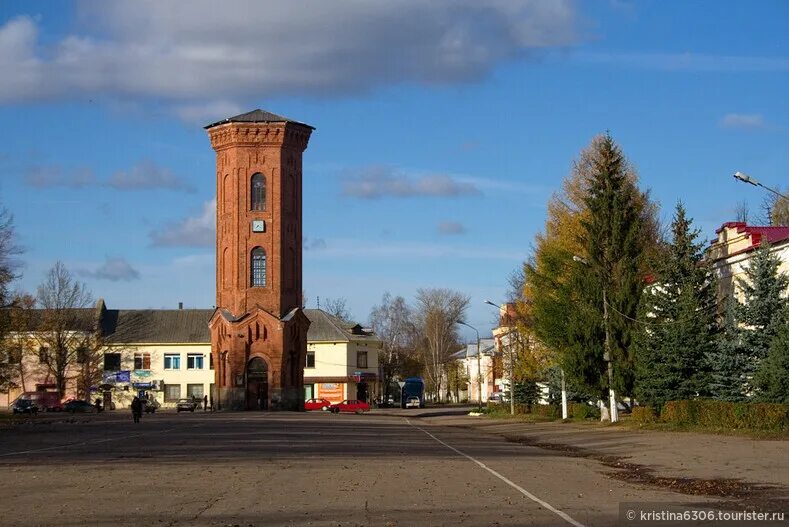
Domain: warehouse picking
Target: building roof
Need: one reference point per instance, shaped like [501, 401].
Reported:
[736, 237]
[256, 116]
[77, 319]
[327, 328]
[470, 350]
[758, 234]
[139, 326]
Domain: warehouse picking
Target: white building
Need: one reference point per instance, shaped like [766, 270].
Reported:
[165, 353]
[342, 359]
[734, 247]
[484, 368]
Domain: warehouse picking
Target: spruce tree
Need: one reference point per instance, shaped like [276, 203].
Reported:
[772, 377]
[678, 326]
[761, 312]
[727, 362]
[613, 236]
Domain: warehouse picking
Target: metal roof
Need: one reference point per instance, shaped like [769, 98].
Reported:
[138, 326]
[257, 116]
[327, 328]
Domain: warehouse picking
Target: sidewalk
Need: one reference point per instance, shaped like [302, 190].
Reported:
[667, 454]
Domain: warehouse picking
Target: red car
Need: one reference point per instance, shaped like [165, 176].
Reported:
[317, 404]
[350, 405]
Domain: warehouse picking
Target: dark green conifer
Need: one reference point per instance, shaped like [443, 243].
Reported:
[678, 327]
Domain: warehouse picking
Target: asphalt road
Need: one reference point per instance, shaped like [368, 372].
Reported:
[388, 469]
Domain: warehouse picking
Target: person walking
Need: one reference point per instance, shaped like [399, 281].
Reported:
[205, 403]
[136, 408]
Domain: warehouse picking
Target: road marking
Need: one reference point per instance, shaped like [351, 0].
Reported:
[83, 443]
[515, 486]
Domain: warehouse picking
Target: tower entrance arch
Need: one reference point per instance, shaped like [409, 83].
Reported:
[257, 384]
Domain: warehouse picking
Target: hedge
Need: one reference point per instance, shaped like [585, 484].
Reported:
[644, 414]
[722, 414]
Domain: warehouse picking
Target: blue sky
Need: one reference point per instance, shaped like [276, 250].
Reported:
[442, 128]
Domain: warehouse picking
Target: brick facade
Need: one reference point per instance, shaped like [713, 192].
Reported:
[255, 323]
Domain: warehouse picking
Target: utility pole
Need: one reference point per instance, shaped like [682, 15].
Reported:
[479, 363]
[614, 415]
[607, 357]
[512, 376]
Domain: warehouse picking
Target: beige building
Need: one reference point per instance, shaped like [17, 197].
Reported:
[342, 359]
[731, 252]
[165, 354]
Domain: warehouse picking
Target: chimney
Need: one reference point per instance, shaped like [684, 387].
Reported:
[180, 305]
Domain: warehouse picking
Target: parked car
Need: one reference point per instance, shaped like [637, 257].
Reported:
[150, 406]
[46, 401]
[412, 402]
[498, 397]
[186, 405]
[76, 405]
[350, 405]
[24, 406]
[317, 404]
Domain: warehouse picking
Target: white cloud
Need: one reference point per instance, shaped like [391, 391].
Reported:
[114, 270]
[193, 231]
[147, 175]
[748, 121]
[43, 176]
[695, 62]
[206, 53]
[379, 181]
[451, 227]
[387, 250]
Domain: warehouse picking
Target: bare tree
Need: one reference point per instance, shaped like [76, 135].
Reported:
[67, 330]
[741, 212]
[437, 314]
[391, 321]
[775, 210]
[9, 250]
[17, 342]
[338, 307]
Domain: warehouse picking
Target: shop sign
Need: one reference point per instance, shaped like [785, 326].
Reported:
[332, 391]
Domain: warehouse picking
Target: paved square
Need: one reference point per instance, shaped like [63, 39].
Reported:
[292, 469]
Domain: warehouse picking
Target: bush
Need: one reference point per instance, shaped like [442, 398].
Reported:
[546, 410]
[583, 411]
[644, 415]
[723, 414]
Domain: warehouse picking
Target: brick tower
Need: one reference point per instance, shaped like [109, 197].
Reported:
[258, 332]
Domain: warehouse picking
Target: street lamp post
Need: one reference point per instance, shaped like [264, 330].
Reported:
[511, 368]
[479, 364]
[607, 351]
[745, 178]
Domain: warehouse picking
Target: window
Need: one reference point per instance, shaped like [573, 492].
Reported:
[258, 192]
[194, 361]
[112, 362]
[310, 359]
[43, 354]
[142, 361]
[172, 361]
[258, 267]
[15, 354]
[195, 390]
[82, 355]
[361, 359]
[172, 392]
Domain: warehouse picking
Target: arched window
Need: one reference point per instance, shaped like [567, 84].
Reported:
[258, 267]
[258, 189]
